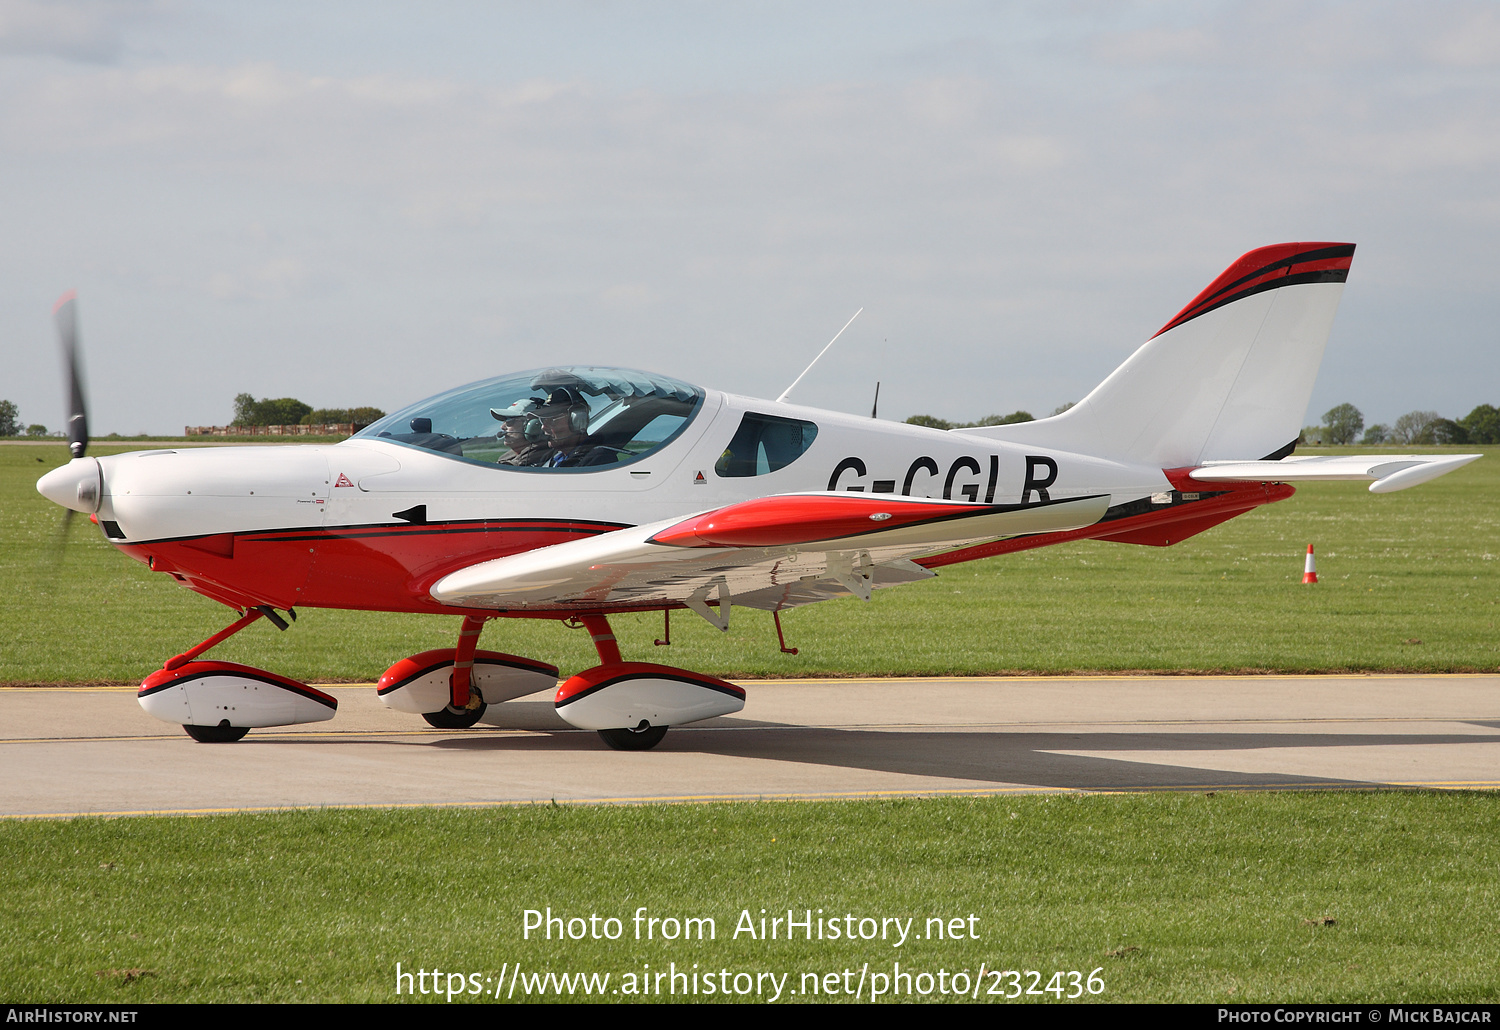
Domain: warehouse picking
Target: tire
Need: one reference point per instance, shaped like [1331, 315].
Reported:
[451, 719]
[633, 740]
[220, 734]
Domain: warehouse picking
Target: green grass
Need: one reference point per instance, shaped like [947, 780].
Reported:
[1409, 583]
[1181, 897]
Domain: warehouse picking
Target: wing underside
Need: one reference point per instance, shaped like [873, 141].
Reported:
[771, 553]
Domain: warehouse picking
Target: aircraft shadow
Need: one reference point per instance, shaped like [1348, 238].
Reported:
[995, 756]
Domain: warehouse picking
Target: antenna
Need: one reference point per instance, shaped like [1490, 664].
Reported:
[876, 406]
[808, 369]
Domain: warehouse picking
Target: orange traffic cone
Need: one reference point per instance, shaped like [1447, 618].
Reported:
[1310, 570]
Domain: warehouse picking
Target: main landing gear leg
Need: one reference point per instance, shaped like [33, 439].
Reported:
[454, 688]
[604, 638]
[631, 704]
[643, 737]
[465, 706]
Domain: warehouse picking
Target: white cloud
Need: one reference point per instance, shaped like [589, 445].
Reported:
[75, 30]
[1472, 40]
[1157, 45]
[1012, 235]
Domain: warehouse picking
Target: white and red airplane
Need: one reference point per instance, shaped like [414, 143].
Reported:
[574, 493]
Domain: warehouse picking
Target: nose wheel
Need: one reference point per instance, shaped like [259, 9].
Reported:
[643, 739]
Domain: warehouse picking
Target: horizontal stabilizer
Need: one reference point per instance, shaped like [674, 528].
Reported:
[1390, 472]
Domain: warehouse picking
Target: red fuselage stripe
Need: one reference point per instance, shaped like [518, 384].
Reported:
[1237, 499]
[393, 568]
[384, 568]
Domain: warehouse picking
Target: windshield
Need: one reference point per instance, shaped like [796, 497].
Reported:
[571, 417]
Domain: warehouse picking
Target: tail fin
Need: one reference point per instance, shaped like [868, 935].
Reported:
[1229, 377]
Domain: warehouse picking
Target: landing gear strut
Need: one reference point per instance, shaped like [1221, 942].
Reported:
[219, 702]
[645, 736]
[454, 688]
[465, 706]
[631, 704]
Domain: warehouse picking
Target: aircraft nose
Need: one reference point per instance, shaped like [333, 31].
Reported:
[78, 485]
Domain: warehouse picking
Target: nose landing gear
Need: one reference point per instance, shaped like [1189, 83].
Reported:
[219, 702]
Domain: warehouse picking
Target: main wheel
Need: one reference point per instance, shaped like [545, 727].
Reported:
[220, 734]
[633, 740]
[451, 718]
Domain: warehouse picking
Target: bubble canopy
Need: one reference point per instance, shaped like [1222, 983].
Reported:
[571, 418]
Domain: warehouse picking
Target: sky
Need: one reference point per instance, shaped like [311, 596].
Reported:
[367, 203]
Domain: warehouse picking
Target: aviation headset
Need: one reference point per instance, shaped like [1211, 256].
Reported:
[578, 408]
[531, 428]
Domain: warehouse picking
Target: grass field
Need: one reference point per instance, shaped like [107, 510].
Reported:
[1410, 581]
[1183, 897]
[1366, 896]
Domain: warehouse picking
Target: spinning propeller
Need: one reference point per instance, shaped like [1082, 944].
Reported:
[66, 313]
[77, 485]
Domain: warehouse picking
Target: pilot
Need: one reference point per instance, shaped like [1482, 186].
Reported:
[565, 420]
[521, 431]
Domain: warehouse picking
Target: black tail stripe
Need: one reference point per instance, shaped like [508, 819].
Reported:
[1329, 275]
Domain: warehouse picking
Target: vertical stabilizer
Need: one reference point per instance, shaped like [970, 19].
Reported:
[1229, 377]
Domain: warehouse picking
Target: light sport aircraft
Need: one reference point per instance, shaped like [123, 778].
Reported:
[574, 493]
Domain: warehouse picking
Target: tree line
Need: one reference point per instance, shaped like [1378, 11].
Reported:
[12, 425]
[933, 422]
[1344, 423]
[288, 411]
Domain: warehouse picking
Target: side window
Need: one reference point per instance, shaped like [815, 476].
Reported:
[764, 444]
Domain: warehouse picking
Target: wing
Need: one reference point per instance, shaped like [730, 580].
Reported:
[770, 553]
[1390, 472]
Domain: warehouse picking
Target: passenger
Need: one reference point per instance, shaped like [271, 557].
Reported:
[521, 431]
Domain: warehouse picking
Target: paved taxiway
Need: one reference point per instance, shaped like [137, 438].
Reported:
[92, 750]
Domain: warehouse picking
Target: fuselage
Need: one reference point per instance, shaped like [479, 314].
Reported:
[373, 522]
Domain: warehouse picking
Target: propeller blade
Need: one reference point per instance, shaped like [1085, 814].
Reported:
[60, 542]
[66, 313]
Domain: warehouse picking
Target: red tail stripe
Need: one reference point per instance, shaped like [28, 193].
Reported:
[1255, 270]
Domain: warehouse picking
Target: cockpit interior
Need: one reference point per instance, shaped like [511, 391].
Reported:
[569, 418]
